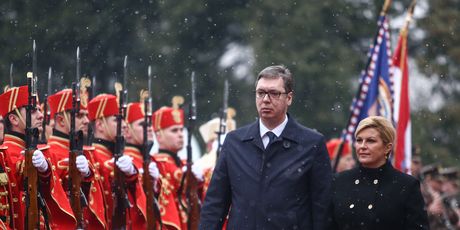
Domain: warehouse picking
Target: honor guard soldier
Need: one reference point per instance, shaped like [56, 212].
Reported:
[60, 105]
[13, 109]
[133, 133]
[346, 160]
[168, 125]
[103, 110]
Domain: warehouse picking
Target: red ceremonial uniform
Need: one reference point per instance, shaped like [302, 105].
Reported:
[6, 198]
[93, 215]
[60, 214]
[172, 214]
[101, 106]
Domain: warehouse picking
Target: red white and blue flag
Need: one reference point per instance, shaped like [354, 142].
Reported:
[375, 94]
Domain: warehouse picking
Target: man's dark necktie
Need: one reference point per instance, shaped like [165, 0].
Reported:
[271, 137]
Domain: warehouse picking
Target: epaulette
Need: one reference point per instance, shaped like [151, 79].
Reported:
[161, 157]
[42, 147]
[88, 148]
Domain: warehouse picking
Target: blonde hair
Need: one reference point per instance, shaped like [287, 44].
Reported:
[381, 124]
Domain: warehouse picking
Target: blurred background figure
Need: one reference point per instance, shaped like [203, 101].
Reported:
[439, 194]
[2, 129]
[450, 195]
[346, 160]
[212, 133]
[416, 163]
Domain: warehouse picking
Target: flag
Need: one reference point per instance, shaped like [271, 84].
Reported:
[375, 94]
[403, 149]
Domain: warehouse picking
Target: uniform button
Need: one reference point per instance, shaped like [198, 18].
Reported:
[370, 206]
[376, 181]
[356, 181]
[352, 205]
[13, 184]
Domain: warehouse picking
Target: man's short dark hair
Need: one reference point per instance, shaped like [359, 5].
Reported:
[7, 122]
[278, 71]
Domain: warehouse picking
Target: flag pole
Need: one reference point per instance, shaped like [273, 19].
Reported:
[385, 7]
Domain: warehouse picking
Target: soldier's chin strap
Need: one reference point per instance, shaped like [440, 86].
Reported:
[106, 127]
[66, 119]
[136, 137]
[20, 116]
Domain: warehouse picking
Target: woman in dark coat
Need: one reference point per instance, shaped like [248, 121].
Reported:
[375, 195]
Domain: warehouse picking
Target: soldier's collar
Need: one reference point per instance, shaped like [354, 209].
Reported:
[138, 147]
[108, 144]
[16, 134]
[173, 155]
[60, 134]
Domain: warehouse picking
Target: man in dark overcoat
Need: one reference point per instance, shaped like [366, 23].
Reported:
[273, 173]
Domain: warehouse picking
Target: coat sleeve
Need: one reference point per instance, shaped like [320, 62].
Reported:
[331, 223]
[416, 216]
[320, 184]
[218, 197]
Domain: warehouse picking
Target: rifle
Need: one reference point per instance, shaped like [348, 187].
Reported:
[121, 202]
[46, 112]
[77, 199]
[153, 210]
[192, 200]
[222, 119]
[32, 219]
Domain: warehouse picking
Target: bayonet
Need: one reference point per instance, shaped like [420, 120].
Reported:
[193, 105]
[125, 83]
[11, 75]
[50, 74]
[78, 75]
[93, 86]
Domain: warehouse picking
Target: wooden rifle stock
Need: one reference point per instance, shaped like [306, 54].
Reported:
[193, 201]
[120, 201]
[153, 211]
[75, 188]
[31, 175]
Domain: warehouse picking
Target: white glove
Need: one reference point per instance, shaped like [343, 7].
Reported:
[39, 161]
[82, 165]
[196, 170]
[125, 164]
[153, 170]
